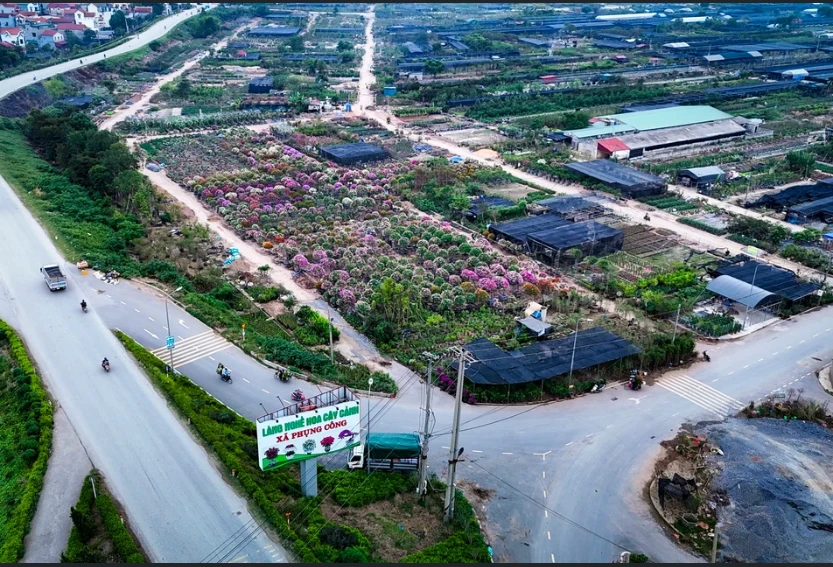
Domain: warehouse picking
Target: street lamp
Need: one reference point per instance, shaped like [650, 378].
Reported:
[367, 437]
[169, 342]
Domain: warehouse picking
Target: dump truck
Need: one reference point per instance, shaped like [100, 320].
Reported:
[387, 452]
[54, 277]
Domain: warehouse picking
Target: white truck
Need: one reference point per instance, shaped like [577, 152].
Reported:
[54, 277]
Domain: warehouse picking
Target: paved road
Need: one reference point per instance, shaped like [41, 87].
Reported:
[10, 85]
[176, 500]
[586, 460]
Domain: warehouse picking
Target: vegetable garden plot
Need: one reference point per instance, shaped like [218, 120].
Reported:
[640, 240]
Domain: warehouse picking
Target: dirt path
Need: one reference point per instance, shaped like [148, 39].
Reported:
[628, 209]
[125, 112]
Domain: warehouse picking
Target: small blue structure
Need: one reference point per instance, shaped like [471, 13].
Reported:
[389, 91]
[456, 159]
[348, 107]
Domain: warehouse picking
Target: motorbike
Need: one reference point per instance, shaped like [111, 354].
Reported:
[224, 373]
[298, 396]
[647, 217]
[706, 357]
[105, 364]
[634, 385]
[283, 375]
[597, 387]
[84, 307]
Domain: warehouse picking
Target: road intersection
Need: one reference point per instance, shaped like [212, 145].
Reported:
[545, 463]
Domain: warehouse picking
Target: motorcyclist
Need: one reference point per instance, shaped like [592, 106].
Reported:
[83, 305]
[707, 357]
[220, 368]
[105, 363]
[226, 373]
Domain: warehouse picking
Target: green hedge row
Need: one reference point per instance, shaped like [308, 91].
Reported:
[122, 540]
[698, 224]
[310, 535]
[82, 527]
[11, 550]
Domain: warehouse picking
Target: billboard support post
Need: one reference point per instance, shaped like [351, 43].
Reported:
[309, 477]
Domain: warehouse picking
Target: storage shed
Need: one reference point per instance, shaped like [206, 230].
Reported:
[700, 177]
[572, 208]
[261, 85]
[820, 209]
[631, 182]
[590, 237]
[348, 154]
[483, 203]
[275, 31]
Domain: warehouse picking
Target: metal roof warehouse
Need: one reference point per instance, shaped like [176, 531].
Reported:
[545, 360]
[670, 117]
[517, 230]
[590, 237]
[772, 279]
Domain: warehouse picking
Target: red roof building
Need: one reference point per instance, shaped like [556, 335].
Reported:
[71, 27]
[610, 146]
[143, 10]
[11, 31]
[7, 45]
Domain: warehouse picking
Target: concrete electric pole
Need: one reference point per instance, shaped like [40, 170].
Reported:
[454, 453]
[422, 487]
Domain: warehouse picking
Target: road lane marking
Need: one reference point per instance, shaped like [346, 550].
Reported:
[814, 336]
[446, 447]
[543, 474]
[211, 357]
[700, 394]
[802, 341]
[774, 353]
[548, 535]
[476, 451]
[151, 334]
[715, 380]
[151, 318]
[181, 322]
[760, 360]
[676, 414]
[609, 426]
[546, 514]
[542, 455]
[553, 557]
[122, 302]
[730, 373]
[789, 347]
[568, 444]
[827, 330]
[136, 310]
[747, 366]
[246, 381]
[545, 493]
[264, 391]
[506, 453]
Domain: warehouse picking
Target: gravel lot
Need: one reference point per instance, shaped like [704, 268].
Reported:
[779, 477]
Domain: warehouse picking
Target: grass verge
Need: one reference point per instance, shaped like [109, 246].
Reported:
[98, 534]
[25, 442]
[299, 521]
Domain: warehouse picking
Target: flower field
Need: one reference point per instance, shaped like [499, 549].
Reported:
[347, 233]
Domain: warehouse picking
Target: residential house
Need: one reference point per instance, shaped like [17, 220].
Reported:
[33, 27]
[52, 38]
[87, 19]
[142, 12]
[7, 15]
[60, 9]
[13, 35]
[76, 29]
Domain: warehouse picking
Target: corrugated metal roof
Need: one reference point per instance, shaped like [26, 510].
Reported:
[741, 292]
[704, 171]
[592, 132]
[679, 134]
[611, 145]
[669, 117]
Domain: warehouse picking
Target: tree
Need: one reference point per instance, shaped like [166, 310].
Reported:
[89, 35]
[118, 22]
[801, 162]
[157, 9]
[826, 11]
[434, 67]
[260, 10]
[296, 43]
[344, 46]
[183, 88]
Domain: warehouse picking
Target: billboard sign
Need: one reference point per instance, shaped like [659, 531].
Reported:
[286, 439]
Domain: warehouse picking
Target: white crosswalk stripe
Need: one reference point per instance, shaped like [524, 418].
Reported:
[193, 348]
[700, 394]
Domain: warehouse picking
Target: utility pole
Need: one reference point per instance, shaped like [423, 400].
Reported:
[367, 438]
[714, 545]
[454, 453]
[676, 320]
[422, 487]
[330, 328]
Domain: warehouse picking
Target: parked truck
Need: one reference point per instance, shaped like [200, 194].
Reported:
[54, 277]
[387, 452]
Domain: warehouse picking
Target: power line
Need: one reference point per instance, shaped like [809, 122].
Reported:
[548, 509]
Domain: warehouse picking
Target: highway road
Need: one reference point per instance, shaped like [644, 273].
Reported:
[157, 30]
[586, 460]
[176, 500]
